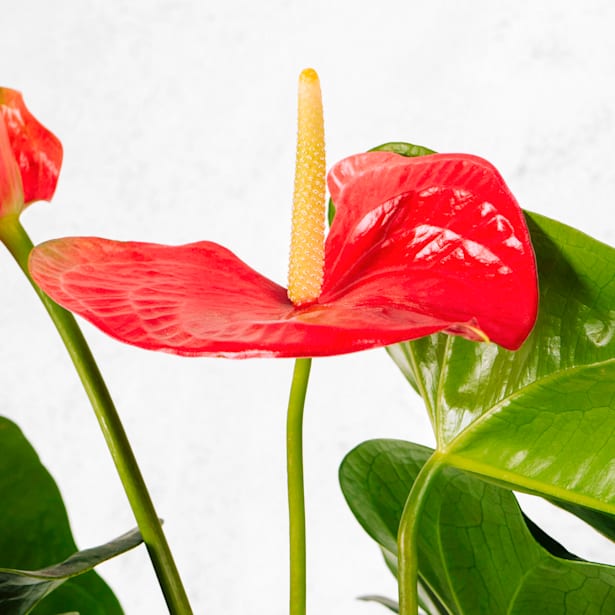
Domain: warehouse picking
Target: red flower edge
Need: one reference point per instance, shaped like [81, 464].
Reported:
[11, 188]
[37, 151]
[418, 245]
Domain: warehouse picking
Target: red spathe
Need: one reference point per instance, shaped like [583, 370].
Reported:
[37, 151]
[418, 245]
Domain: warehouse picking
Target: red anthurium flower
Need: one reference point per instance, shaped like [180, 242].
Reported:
[418, 245]
[25, 145]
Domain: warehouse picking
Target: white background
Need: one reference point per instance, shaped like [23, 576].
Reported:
[178, 122]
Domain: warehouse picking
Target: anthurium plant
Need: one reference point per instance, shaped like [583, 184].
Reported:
[501, 320]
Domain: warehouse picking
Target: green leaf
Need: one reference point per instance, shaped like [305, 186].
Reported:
[404, 149]
[34, 533]
[20, 590]
[541, 419]
[476, 554]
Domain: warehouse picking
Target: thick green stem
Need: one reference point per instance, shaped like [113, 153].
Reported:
[296, 503]
[407, 537]
[18, 243]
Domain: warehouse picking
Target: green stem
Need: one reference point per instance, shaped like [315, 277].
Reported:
[13, 235]
[407, 537]
[296, 503]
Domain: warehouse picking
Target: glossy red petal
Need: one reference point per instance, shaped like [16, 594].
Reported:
[11, 192]
[38, 152]
[200, 299]
[438, 235]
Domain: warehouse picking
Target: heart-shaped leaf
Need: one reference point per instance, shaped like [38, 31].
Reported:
[476, 553]
[541, 419]
[34, 533]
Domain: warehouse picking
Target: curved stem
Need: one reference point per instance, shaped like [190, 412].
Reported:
[13, 235]
[294, 468]
[407, 537]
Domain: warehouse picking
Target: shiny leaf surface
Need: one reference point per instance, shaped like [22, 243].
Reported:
[418, 245]
[37, 151]
[541, 419]
[34, 533]
[475, 552]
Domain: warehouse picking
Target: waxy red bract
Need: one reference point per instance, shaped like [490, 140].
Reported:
[418, 245]
[11, 190]
[37, 152]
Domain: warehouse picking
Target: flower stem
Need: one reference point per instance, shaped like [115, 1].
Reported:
[13, 235]
[294, 467]
[407, 537]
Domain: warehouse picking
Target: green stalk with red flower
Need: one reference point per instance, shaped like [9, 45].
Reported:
[30, 161]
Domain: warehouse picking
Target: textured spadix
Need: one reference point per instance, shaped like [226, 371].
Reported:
[305, 270]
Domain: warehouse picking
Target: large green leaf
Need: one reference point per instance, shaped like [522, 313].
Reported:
[476, 554]
[35, 533]
[541, 419]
